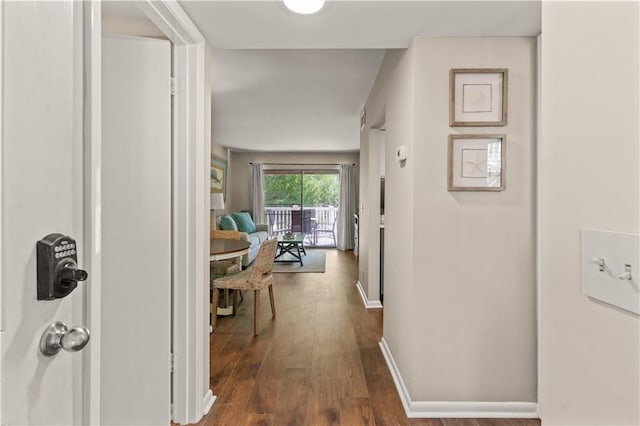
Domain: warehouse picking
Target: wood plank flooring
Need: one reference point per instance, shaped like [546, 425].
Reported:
[317, 363]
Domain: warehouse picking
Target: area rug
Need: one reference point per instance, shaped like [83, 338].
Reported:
[314, 261]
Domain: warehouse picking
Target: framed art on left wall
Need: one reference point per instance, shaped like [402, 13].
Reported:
[219, 175]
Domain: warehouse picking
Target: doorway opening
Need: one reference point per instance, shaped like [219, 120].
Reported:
[188, 241]
[303, 201]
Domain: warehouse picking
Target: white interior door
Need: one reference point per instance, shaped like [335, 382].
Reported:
[136, 231]
[41, 178]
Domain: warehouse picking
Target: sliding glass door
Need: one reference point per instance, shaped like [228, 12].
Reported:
[303, 201]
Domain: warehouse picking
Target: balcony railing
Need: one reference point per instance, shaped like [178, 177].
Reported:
[319, 224]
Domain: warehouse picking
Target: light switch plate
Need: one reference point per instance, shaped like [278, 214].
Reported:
[605, 256]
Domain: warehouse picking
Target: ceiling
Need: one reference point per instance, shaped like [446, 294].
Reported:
[356, 24]
[291, 100]
[287, 82]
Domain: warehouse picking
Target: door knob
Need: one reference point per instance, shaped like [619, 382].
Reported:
[57, 336]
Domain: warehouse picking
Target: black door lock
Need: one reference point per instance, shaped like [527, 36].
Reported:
[58, 272]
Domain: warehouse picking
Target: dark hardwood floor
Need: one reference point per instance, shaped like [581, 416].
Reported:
[317, 363]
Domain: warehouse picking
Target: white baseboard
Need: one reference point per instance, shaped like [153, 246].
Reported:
[395, 374]
[369, 304]
[454, 409]
[207, 402]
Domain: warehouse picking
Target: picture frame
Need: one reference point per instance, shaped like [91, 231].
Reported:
[478, 96]
[477, 163]
[218, 176]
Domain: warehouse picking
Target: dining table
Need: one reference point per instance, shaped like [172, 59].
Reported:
[220, 249]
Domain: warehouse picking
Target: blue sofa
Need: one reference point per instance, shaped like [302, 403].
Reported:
[249, 231]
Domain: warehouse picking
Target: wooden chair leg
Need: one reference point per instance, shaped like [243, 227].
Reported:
[235, 301]
[273, 302]
[214, 310]
[256, 311]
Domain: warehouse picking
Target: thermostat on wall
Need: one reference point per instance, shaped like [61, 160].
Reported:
[401, 153]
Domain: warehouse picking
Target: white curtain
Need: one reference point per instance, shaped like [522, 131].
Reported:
[348, 200]
[257, 193]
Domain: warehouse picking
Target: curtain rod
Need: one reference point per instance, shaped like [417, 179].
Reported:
[301, 164]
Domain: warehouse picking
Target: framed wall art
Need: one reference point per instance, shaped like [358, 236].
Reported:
[478, 96]
[219, 175]
[477, 163]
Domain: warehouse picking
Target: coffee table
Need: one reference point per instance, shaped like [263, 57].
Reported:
[290, 245]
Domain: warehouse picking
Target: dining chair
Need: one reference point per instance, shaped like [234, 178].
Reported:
[296, 221]
[301, 223]
[326, 228]
[256, 277]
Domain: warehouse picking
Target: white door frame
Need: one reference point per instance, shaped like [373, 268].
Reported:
[1, 194]
[191, 395]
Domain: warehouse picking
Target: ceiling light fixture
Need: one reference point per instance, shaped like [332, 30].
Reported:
[304, 7]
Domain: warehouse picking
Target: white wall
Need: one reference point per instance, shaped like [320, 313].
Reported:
[475, 277]
[218, 150]
[376, 143]
[391, 102]
[369, 220]
[364, 211]
[590, 352]
[239, 189]
[222, 152]
[125, 25]
[459, 267]
[369, 239]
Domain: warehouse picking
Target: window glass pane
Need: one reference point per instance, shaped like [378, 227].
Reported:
[321, 190]
[282, 189]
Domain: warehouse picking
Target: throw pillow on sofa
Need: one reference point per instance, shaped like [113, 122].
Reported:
[228, 224]
[244, 222]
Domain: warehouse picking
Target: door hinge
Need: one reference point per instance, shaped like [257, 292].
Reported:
[171, 362]
[174, 86]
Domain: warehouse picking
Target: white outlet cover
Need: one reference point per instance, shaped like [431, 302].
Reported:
[617, 250]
